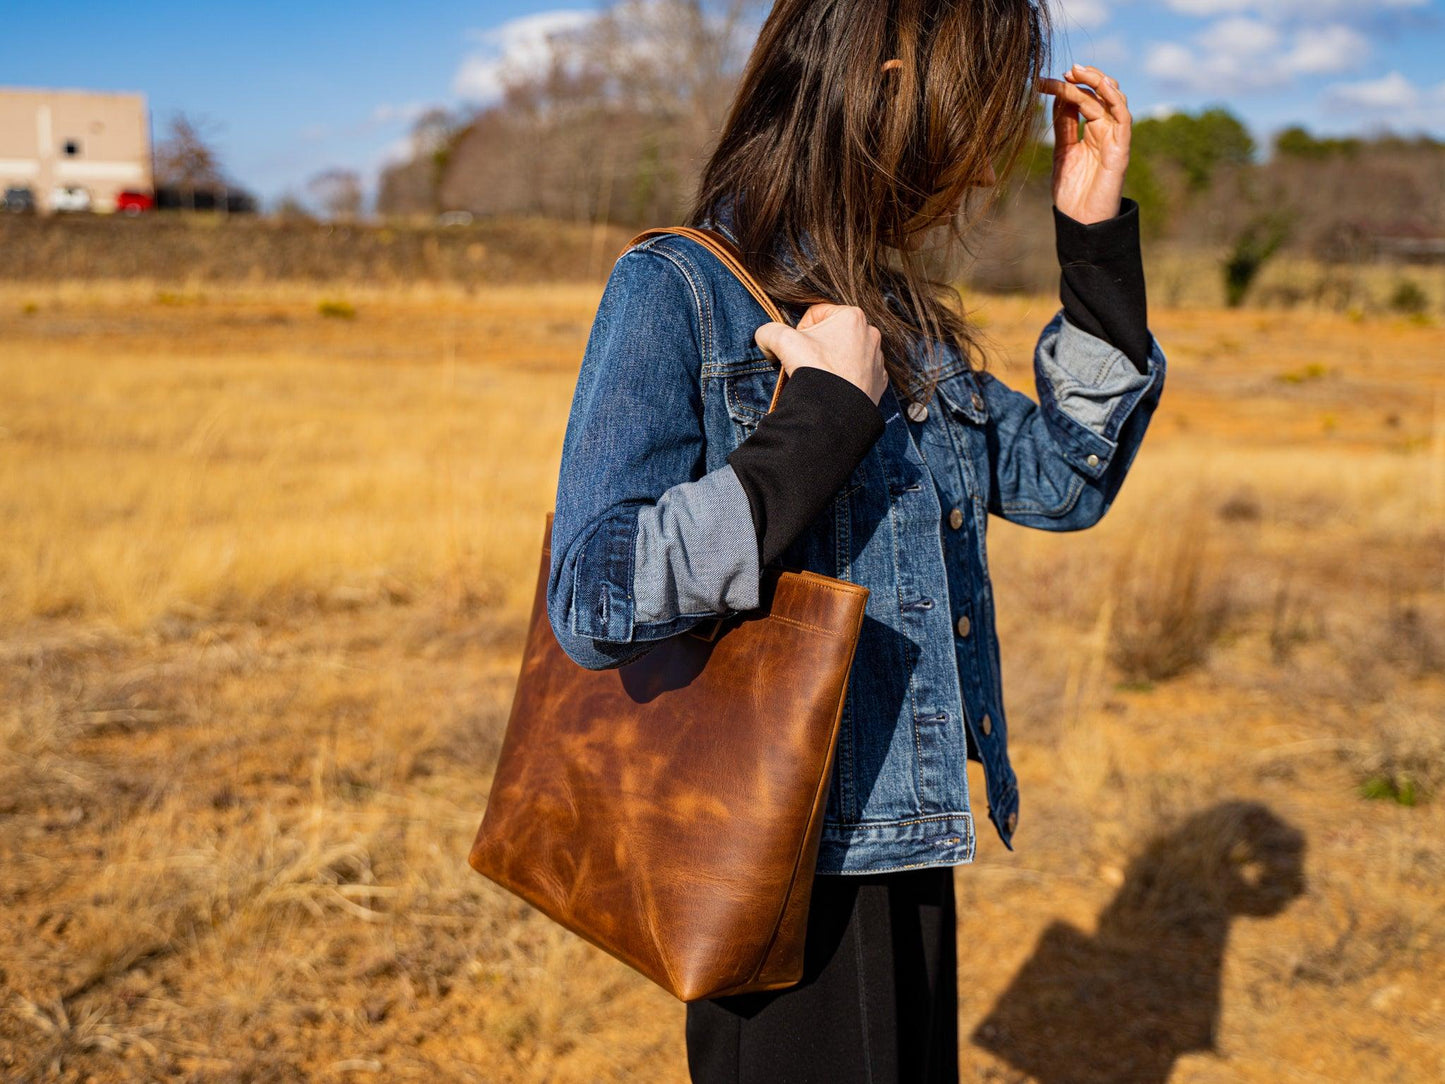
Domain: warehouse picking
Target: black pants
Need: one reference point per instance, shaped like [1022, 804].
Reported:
[878, 1002]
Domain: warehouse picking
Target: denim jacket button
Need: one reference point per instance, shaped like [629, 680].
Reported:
[955, 518]
[1093, 460]
[963, 625]
[1012, 820]
[977, 401]
[917, 411]
[986, 723]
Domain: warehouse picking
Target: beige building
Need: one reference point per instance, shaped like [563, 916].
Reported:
[71, 147]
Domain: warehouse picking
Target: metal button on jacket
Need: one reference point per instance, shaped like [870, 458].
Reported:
[1012, 820]
[955, 518]
[977, 401]
[1093, 460]
[987, 724]
[963, 624]
[917, 411]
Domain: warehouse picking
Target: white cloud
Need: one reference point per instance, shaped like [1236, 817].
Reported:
[1240, 53]
[1286, 9]
[1328, 49]
[1392, 91]
[519, 45]
[397, 152]
[1168, 61]
[1108, 50]
[1239, 35]
[388, 113]
[1392, 97]
[1086, 14]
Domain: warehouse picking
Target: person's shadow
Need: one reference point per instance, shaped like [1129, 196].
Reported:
[1122, 1005]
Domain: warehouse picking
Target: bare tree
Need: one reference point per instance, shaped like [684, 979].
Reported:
[338, 191]
[289, 208]
[611, 126]
[413, 186]
[187, 157]
[638, 43]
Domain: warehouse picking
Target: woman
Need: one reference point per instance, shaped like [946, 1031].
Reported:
[858, 131]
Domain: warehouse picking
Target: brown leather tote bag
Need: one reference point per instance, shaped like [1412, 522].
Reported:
[669, 810]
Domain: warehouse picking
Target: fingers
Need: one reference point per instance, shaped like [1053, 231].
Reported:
[816, 314]
[847, 327]
[1111, 96]
[769, 336]
[1107, 88]
[824, 310]
[1106, 85]
[1065, 115]
[773, 338]
[1082, 100]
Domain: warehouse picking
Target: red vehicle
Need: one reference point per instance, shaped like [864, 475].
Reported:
[134, 203]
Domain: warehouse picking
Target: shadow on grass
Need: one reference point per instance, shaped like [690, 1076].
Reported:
[1125, 1003]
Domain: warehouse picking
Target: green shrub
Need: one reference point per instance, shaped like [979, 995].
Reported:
[1253, 248]
[336, 310]
[1313, 371]
[174, 300]
[1388, 788]
[1400, 760]
[1408, 298]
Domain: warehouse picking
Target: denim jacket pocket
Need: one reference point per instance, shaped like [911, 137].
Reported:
[748, 387]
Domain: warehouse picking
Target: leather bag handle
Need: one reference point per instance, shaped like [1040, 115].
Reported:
[728, 253]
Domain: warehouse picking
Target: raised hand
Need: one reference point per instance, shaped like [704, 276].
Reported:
[1089, 172]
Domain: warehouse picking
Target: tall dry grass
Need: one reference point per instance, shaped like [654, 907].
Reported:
[227, 471]
[263, 577]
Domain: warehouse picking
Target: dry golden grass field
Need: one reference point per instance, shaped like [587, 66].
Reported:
[263, 578]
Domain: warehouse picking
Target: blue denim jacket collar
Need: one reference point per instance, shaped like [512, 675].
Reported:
[723, 216]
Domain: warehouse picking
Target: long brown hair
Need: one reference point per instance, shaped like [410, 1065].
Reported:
[822, 146]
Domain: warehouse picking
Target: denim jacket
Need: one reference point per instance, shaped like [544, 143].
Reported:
[652, 531]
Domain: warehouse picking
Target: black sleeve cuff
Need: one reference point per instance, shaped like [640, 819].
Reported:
[1101, 280]
[801, 452]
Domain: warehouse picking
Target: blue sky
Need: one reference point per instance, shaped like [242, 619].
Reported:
[293, 88]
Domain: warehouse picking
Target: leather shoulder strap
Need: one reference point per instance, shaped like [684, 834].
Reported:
[727, 253]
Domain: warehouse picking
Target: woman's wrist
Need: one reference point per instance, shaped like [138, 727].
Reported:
[801, 452]
[1101, 279]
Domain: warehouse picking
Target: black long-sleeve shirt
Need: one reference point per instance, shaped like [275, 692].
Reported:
[1101, 279]
[823, 424]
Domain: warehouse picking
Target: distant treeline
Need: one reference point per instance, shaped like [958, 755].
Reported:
[614, 130]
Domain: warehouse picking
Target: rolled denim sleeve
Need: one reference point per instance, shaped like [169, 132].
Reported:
[645, 542]
[1059, 463]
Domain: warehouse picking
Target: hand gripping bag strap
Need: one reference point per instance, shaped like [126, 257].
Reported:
[728, 253]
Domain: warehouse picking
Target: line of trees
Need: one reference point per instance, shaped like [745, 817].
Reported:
[613, 127]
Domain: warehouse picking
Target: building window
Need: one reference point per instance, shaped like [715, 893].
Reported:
[72, 148]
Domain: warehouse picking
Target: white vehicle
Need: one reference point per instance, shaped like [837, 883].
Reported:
[69, 198]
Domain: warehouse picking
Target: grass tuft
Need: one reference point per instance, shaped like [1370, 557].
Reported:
[337, 310]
